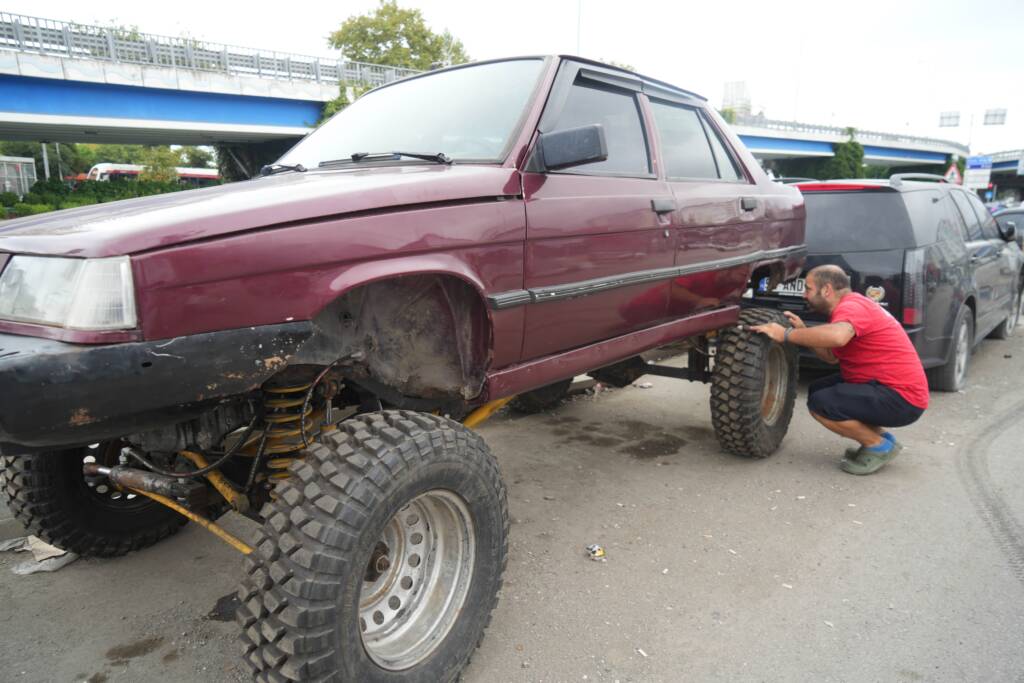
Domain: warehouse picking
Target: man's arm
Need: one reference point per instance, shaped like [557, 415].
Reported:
[819, 339]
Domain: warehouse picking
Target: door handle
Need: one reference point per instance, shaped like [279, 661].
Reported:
[663, 205]
[748, 203]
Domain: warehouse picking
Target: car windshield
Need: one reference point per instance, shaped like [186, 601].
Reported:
[469, 114]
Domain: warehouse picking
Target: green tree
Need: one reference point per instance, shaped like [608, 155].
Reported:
[160, 163]
[728, 115]
[196, 157]
[847, 159]
[398, 37]
[342, 100]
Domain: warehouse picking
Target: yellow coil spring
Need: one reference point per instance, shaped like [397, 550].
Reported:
[284, 418]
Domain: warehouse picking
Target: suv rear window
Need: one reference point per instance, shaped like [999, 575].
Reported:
[856, 221]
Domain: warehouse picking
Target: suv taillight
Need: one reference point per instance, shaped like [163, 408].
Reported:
[913, 287]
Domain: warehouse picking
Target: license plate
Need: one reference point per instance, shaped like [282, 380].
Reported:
[792, 288]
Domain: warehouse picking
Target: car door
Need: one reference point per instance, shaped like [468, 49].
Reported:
[599, 250]
[717, 214]
[986, 261]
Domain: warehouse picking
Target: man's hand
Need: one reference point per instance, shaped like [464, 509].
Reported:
[794, 320]
[774, 331]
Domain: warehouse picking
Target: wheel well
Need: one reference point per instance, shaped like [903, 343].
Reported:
[971, 304]
[775, 272]
[411, 337]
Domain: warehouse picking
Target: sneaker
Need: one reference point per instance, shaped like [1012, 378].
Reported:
[851, 453]
[869, 461]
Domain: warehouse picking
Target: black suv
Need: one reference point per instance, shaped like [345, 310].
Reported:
[926, 250]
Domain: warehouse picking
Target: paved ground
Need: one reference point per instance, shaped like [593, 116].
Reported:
[718, 568]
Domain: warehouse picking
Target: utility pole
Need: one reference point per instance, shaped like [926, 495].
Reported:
[46, 162]
[579, 13]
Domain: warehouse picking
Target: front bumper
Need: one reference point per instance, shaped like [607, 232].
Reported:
[55, 394]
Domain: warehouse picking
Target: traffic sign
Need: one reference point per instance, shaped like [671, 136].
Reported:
[979, 172]
[952, 174]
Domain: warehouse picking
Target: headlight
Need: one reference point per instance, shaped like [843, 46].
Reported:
[79, 294]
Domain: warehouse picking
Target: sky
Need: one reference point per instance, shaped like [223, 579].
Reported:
[888, 66]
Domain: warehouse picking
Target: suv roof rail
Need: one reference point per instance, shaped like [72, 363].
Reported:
[897, 178]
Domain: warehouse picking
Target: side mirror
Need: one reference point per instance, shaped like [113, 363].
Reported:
[1010, 231]
[572, 147]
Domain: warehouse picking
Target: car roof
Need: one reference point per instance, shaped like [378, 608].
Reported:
[583, 60]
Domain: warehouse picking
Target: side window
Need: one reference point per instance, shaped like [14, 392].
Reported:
[988, 224]
[684, 142]
[970, 218]
[618, 112]
[955, 217]
[727, 169]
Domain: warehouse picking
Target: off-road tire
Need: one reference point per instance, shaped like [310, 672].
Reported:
[300, 599]
[949, 377]
[541, 399]
[621, 374]
[47, 493]
[750, 410]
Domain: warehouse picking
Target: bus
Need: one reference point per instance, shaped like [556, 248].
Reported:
[118, 172]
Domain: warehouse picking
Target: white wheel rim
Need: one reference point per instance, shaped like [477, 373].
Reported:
[410, 600]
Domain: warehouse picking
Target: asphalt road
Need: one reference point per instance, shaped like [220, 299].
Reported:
[717, 568]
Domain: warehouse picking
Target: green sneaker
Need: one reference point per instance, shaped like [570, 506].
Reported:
[868, 461]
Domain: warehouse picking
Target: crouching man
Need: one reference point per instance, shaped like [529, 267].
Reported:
[880, 383]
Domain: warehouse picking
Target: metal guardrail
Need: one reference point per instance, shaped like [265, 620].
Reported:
[862, 135]
[66, 39]
[1009, 155]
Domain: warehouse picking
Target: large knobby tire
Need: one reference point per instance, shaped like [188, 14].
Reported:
[753, 387]
[541, 399]
[381, 557]
[952, 376]
[50, 496]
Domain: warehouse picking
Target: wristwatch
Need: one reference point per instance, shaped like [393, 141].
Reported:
[785, 335]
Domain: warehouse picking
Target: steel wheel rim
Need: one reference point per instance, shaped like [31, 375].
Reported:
[410, 601]
[101, 491]
[773, 393]
[962, 349]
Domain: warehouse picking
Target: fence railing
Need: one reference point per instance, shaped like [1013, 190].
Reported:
[66, 39]
[862, 135]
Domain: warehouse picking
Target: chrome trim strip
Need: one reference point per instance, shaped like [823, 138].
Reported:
[520, 297]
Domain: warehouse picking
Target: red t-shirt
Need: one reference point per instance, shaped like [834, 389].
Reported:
[880, 351]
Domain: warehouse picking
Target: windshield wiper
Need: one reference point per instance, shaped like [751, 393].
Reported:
[271, 169]
[440, 157]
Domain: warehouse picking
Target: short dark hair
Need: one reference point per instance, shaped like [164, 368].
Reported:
[830, 275]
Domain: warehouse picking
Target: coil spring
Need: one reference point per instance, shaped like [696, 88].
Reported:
[284, 417]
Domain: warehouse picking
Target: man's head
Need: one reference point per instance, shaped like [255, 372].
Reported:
[824, 287]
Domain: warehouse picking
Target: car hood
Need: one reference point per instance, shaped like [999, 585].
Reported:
[136, 225]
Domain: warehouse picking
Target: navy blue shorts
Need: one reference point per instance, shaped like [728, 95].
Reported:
[872, 403]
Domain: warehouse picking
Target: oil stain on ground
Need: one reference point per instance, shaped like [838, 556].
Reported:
[631, 437]
[225, 608]
[122, 653]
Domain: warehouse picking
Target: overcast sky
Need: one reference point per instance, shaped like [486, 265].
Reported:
[890, 66]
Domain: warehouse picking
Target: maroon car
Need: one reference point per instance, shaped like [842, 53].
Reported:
[291, 347]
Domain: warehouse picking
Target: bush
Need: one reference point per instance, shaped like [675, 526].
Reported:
[33, 198]
[8, 199]
[25, 209]
[74, 203]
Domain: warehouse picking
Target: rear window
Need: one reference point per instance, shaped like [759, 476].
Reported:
[856, 221]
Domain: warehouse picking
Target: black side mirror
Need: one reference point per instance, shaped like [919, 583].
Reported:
[1010, 231]
[572, 147]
